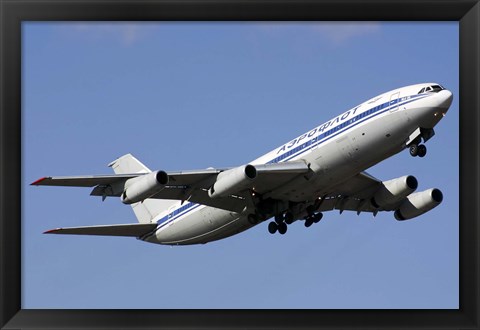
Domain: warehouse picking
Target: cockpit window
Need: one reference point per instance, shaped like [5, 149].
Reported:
[433, 88]
[437, 88]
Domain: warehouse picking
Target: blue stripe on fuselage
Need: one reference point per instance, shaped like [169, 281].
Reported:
[343, 127]
[184, 209]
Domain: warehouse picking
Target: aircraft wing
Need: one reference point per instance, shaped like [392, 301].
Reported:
[353, 194]
[188, 185]
[130, 230]
[269, 177]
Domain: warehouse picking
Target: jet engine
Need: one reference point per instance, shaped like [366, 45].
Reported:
[393, 191]
[233, 180]
[419, 203]
[144, 186]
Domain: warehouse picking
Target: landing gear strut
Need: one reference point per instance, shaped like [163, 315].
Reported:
[288, 218]
[279, 218]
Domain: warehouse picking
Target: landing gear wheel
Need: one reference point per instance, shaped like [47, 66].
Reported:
[317, 217]
[413, 150]
[272, 227]
[288, 218]
[422, 150]
[282, 228]
[308, 222]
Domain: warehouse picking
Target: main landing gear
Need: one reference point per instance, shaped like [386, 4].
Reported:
[281, 221]
[312, 217]
[315, 218]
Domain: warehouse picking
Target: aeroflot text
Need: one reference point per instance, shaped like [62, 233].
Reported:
[319, 129]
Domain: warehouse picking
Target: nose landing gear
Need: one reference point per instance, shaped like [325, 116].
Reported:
[419, 150]
[414, 146]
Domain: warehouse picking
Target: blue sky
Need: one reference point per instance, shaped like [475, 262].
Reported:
[193, 95]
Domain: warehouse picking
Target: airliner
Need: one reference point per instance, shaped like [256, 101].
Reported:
[318, 171]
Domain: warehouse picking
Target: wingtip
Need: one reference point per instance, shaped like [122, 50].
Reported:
[52, 231]
[36, 183]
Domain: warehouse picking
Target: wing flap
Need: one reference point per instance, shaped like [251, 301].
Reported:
[293, 167]
[192, 177]
[361, 186]
[353, 194]
[343, 203]
[130, 230]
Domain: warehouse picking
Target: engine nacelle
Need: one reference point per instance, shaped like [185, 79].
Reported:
[233, 180]
[419, 203]
[144, 186]
[393, 191]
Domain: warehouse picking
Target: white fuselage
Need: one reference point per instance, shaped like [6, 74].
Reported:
[336, 150]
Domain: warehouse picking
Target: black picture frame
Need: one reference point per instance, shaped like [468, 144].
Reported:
[14, 12]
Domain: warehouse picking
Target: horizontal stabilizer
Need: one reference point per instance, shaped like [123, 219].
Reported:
[132, 230]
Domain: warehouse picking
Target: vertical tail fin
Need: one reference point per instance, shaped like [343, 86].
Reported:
[128, 164]
[147, 210]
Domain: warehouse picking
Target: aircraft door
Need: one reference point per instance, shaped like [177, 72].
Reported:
[394, 101]
[171, 209]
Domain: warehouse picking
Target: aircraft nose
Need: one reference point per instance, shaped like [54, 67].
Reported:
[445, 98]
